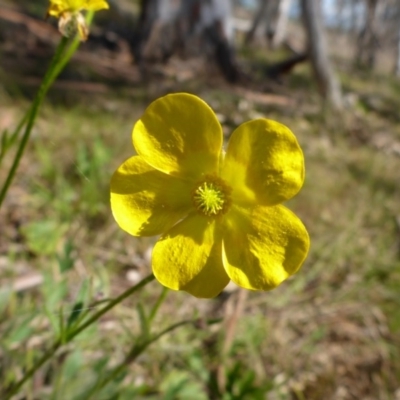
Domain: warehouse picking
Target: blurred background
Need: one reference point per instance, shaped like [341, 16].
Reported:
[329, 70]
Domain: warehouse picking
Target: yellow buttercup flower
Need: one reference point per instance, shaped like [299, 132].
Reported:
[71, 20]
[219, 214]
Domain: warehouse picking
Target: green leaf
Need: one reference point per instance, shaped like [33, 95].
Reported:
[144, 323]
[180, 385]
[53, 292]
[73, 316]
[5, 295]
[4, 143]
[80, 311]
[72, 365]
[66, 260]
[43, 236]
[22, 331]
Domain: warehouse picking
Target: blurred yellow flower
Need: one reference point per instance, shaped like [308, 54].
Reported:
[71, 21]
[219, 213]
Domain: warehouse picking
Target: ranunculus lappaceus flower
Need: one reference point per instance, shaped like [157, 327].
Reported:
[219, 213]
[71, 21]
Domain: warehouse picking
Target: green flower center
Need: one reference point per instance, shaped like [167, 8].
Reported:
[211, 196]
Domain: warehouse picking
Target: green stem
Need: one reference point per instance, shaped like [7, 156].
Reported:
[71, 50]
[46, 86]
[47, 80]
[156, 306]
[58, 63]
[46, 356]
[127, 360]
[109, 306]
[14, 136]
[15, 388]
[138, 349]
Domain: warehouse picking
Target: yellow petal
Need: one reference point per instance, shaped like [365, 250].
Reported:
[189, 257]
[58, 7]
[93, 5]
[263, 246]
[146, 202]
[263, 163]
[180, 135]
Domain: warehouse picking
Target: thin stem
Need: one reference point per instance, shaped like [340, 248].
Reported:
[14, 389]
[156, 306]
[58, 63]
[149, 320]
[138, 349]
[109, 306]
[70, 51]
[46, 356]
[48, 78]
[46, 86]
[14, 136]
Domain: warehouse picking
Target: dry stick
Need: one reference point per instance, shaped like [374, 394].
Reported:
[231, 320]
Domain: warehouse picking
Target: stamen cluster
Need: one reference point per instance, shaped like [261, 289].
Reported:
[212, 196]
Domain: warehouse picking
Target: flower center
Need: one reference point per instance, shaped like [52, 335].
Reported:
[211, 196]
